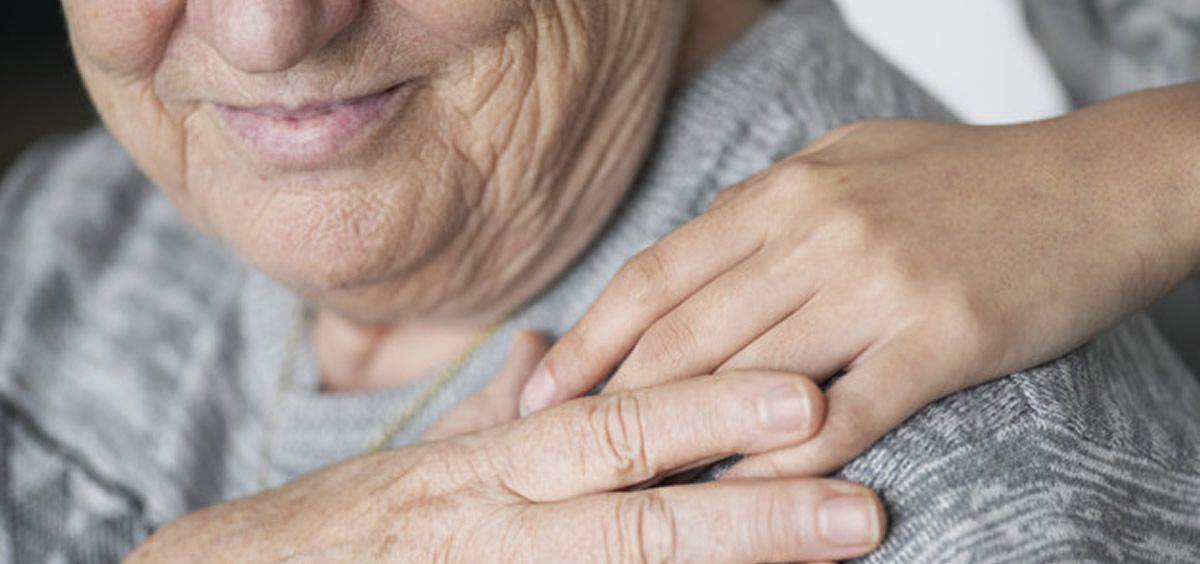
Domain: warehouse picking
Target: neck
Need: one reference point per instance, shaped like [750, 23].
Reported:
[355, 356]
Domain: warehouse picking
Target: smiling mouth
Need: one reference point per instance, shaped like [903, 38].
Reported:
[312, 134]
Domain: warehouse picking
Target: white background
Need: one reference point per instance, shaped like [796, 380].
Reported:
[974, 55]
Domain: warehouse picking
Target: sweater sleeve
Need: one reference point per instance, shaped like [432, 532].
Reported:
[1103, 48]
[54, 508]
[58, 503]
[1092, 457]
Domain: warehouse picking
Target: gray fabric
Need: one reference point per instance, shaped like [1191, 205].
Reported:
[139, 361]
[1102, 48]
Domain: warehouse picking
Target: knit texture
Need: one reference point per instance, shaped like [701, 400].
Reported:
[140, 361]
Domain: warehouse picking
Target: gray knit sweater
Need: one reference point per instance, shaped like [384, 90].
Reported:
[140, 361]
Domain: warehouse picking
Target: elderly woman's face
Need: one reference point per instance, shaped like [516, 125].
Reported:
[381, 155]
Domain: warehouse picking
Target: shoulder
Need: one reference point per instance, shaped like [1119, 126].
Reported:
[79, 207]
[1092, 454]
[55, 507]
[88, 167]
[85, 238]
[107, 296]
[799, 73]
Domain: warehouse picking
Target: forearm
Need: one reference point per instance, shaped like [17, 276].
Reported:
[1142, 151]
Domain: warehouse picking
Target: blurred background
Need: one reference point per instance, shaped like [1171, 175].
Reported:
[41, 93]
[975, 56]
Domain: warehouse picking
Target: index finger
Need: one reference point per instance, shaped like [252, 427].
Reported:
[647, 288]
[604, 443]
[746, 521]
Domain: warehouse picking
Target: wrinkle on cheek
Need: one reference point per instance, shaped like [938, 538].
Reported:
[157, 137]
[466, 22]
[259, 220]
[459, 178]
[528, 98]
[193, 178]
[169, 137]
[466, 171]
[504, 115]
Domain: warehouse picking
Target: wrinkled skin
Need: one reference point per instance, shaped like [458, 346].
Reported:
[546, 489]
[435, 214]
[912, 231]
[519, 126]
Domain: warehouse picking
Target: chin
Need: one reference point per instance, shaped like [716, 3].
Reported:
[384, 302]
[333, 254]
[333, 233]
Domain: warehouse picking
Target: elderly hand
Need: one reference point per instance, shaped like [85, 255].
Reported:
[919, 258]
[546, 488]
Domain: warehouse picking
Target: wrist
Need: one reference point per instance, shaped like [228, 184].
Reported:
[1142, 153]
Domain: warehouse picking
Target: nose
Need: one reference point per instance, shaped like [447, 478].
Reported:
[260, 36]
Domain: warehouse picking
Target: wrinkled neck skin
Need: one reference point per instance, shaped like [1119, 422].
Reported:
[354, 355]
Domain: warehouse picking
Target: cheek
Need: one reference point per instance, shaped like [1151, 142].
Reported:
[130, 36]
[122, 37]
[153, 137]
[119, 46]
[467, 21]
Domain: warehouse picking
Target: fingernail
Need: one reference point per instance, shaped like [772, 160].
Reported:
[539, 392]
[785, 408]
[849, 521]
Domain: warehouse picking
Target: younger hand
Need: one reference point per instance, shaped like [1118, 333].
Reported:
[920, 258]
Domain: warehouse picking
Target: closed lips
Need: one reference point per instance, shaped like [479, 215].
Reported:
[309, 134]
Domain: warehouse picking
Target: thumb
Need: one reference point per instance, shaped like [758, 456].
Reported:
[867, 403]
[497, 403]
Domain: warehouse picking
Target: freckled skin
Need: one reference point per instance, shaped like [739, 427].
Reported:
[476, 193]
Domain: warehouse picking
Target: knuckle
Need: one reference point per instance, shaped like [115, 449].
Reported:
[962, 313]
[851, 427]
[803, 173]
[645, 529]
[669, 343]
[497, 460]
[773, 525]
[791, 350]
[852, 225]
[454, 465]
[617, 427]
[645, 277]
[848, 232]
[965, 318]
[575, 350]
[897, 279]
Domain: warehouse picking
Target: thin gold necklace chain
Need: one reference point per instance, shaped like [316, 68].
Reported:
[395, 427]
